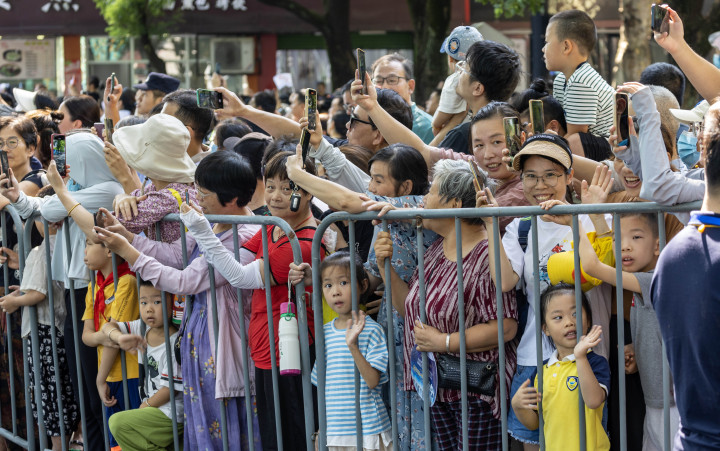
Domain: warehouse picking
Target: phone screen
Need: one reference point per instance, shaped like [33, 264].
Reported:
[207, 98]
[305, 144]
[362, 69]
[621, 118]
[537, 118]
[109, 127]
[311, 108]
[658, 19]
[4, 162]
[112, 87]
[512, 134]
[58, 152]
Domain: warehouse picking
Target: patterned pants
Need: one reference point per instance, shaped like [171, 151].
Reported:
[484, 429]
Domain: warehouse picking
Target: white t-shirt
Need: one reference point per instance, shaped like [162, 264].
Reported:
[553, 238]
[450, 100]
[157, 369]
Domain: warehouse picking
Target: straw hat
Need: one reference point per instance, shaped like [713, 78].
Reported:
[545, 145]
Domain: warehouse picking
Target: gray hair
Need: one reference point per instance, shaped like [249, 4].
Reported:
[455, 181]
[665, 100]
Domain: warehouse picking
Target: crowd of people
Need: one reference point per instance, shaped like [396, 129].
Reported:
[199, 362]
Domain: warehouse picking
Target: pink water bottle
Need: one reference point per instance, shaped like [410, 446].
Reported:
[289, 341]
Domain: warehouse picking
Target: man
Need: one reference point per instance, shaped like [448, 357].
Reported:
[152, 91]
[687, 303]
[395, 72]
[182, 104]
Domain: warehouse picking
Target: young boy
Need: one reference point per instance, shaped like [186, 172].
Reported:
[640, 250]
[102, 303]
[150, 426]
[586, 97]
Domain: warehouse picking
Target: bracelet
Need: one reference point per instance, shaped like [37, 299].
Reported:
[73, 208]
[147, 401]
[447, 343]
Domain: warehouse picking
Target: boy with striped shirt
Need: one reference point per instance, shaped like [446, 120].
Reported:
[585, 96]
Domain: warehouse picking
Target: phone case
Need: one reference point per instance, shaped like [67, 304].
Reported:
[362, 69]
[311, 108]
[512, 134]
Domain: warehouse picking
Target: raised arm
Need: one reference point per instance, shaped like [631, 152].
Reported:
[592, 265]
[83, 218]
[278, 126]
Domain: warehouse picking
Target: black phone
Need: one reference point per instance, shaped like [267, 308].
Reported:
[58, 152]
[361, 69]
[620, 118]
[207, 98]
[311, 108]
[112, 86]
[4, 162]
[109, 127]
[97, 219]
[659, 20]
[537, 118]
[305, 144]
[512, 134]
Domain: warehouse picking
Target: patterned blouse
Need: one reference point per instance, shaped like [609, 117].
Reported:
[155, 207]
[442, 310]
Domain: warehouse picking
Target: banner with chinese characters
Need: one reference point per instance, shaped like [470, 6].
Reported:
[27, 58]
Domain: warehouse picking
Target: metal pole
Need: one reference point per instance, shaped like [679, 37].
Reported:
[501, 333]
[463, 345]
[579, 326]
[620, 334]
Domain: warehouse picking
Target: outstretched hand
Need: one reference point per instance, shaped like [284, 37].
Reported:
[355, 325]
[599, 188]
[587, 342]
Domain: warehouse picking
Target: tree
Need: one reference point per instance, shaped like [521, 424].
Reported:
[334, 25]
[139, 18]
[430, 20]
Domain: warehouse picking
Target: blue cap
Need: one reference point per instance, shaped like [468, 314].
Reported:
[460, 40]
[160, 82]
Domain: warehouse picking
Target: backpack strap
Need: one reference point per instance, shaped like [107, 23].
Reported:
[523, 230]
[179, 200]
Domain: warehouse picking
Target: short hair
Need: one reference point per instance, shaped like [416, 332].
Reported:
[275, 167]
[494, 109]
[339, 121]
[228, 175]
[94, 81]
[651, 219]
[265, 100]
[157, 109]
[666, 75]
[128, 99]
[43, 101]
[346, 87]
[537, 90]
[46, 123]
[277, 146]
[231, 127]
[455, 180]
[397, 58]
[395, 106]
[130, 120]
[553, 110]
[189, 113]
[342, 259]
[665, 100]
[711, 140]
[496, 66]
[563, 288]
[145, 283]
[358, 155]
[300, 93]
[252, 150]
[157, 94]
[576, 26]
[23, 126]
[83, 108]
[404, 163]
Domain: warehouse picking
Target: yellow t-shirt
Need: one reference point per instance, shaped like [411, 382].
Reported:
[560, 405]
[121, 306]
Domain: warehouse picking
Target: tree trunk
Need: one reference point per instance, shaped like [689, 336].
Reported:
[156, 63]
[430, 20]
[336, 31]
[633, 53]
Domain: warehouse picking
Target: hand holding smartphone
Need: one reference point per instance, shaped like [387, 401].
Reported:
[659, 19]
[4, 166]
[207, 98]
[362, 70]
[58, 152]
[311, 108]
[112, 87]
[620, 119]
[537, 117]
[305, 144]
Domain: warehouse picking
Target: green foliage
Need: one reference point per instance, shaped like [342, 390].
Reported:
[512, 8]
[136, 17]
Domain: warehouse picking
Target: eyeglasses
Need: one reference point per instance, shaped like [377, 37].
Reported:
[549, 180]
[11, 143]
[200, 194]
[461, 66]
[391, 80]
[354, 119]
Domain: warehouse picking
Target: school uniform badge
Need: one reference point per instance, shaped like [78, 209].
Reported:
[572, 382]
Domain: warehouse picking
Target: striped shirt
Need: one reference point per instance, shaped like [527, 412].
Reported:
[587, 99]
[340, 381]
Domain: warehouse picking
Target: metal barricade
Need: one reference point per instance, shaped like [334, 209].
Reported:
[458, 215]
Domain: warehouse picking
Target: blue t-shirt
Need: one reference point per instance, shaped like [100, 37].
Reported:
[686, 298]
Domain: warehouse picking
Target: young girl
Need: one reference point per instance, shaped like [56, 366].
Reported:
[571, 365]
[351, 340]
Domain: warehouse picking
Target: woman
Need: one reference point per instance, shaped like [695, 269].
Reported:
[226, 184]
[453, 187]
[46, 123]
[78, 112]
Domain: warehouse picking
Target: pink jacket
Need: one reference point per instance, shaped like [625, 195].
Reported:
[161, 263]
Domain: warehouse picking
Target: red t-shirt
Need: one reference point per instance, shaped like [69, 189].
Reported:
[280, 255]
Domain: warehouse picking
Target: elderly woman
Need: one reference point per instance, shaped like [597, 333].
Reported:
[454, 187]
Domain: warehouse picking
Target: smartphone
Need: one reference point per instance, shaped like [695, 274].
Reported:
[4, 162]
[311, 108]
[207, 98]
[112, 86]
[99, 128]
[58, 152]
[305, 144]
[537, 118]
[512, 134]
[362, 69]
[659, 20]
[620, 119]
[187, 197]
[109, 127]
[476, 181]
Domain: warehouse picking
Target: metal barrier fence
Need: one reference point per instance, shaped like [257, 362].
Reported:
[14, 435]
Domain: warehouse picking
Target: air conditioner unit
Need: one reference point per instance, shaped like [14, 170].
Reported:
[235, 55]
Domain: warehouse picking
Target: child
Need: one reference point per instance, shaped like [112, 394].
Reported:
[640, 250]
[351, 340]
[586, 97]
[102, 303]
[150, 426]
[572, 364]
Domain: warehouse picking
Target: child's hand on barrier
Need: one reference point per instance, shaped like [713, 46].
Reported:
[587, 342]
[527, 397]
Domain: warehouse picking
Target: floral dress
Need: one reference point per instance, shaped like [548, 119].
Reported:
[202, 410]
[409, 405]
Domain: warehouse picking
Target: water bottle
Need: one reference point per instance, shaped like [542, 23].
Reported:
[289, 341]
